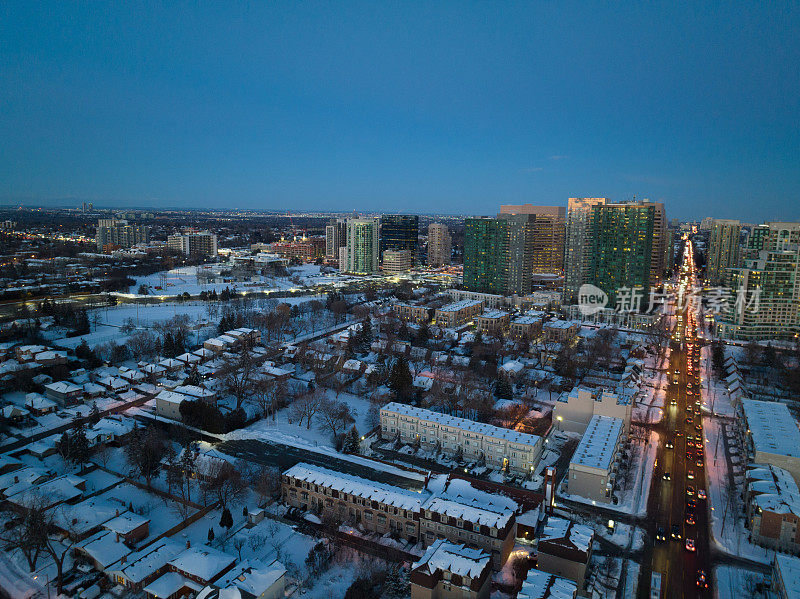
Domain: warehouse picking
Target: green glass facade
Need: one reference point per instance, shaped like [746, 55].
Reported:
[622, 246]
[486, 255]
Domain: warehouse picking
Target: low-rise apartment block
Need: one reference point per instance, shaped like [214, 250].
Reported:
[560, 331]
[771, 435]
[501, 448]
[492, 322]
[528, 326]
[412, 313]
[593, 466]
[573, 412]
[463, 514]
[458, 313]
[450, 571]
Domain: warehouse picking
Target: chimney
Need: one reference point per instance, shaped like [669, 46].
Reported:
[549, 488]
[188, 543]
[124, 559]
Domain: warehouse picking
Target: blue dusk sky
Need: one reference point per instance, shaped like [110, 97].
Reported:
[430, 107]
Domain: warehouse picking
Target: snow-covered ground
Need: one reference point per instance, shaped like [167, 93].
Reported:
[316, 436]
[185, 280]
[727, 526]
[731, 582]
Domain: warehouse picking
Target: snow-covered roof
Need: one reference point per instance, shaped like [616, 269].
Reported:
[171, 397]
[202, 561]
[541, 585]
[193, 391]
[63, 387]
[461, 305]
[463, 424]
[125, 523]
[152, 558]
[251, 576]
[512, 366]
[772, 427]
[493, 314]
[560, 324]
[773, 489]
[104, 548]
[558, 529]
[87, 514]
[353, 485]
[456, 559]
[12, 411]
[20, 478]
[529, 318]
[167, 585]
[599, 442]
[51, 492]
[459, 499]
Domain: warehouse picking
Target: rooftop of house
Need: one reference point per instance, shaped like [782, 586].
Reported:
[773, 489]
[461, 560]
[577, 536]
[252, 576]
[203, 562]
[541, 585]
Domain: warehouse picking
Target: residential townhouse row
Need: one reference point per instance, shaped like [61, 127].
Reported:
[456, 511]
[501, 448]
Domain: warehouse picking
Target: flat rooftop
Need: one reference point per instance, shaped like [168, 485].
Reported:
[457, 306]
[772, 427]
[463, 424]
[596, 449]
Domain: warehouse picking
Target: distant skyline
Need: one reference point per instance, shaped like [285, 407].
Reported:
[450, 108]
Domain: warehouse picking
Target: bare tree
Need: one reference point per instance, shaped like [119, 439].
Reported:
[238, 544]
[142, 345]
[43, 531]
[339, 309]
[223, 482]
[334, 416]
[266, 390]
[306, 407]
[26, 535]
[238, 375]
[266, 482]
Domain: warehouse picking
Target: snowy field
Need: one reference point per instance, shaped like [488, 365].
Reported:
[185, 280]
